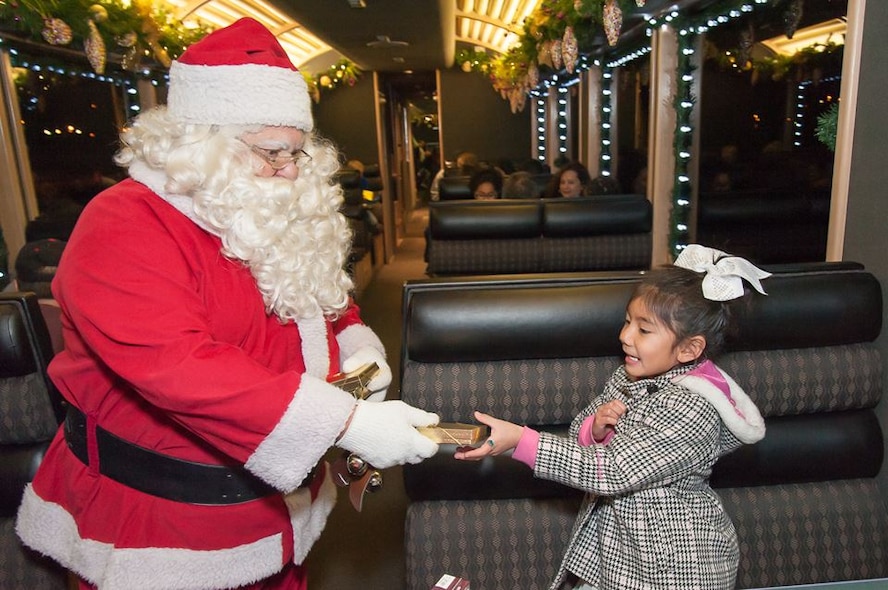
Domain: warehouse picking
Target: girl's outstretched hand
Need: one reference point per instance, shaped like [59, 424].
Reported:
[504, 436]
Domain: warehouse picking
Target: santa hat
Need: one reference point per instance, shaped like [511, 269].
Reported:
[239, 75]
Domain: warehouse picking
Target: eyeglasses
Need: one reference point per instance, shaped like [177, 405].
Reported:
[487, 195]
[280, 159]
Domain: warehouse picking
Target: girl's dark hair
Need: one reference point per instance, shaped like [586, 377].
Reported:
[675, 296]
[490, 175]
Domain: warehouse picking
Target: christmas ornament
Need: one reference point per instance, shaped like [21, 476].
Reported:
[533, 75]
[544, 53]
[95, 48]
[569, 50]
[581, 8]
[517, 99]
[613, 21]
[98, 13]
[127, 40]
[744, 48]
[131, 59]
[792, 17]
[555, 53]
[56, 31]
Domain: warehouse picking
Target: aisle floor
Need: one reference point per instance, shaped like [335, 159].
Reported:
[365, 550]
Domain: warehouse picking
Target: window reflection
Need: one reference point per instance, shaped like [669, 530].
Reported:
[71, 123]
[764, 177]
[633, 82]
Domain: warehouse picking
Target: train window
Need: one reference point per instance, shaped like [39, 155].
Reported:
[765, 82]
[71, 122]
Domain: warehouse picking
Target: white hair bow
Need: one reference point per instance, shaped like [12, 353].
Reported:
[724, 273]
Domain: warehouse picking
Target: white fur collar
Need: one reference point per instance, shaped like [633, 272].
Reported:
[156, 180]
[737, 411]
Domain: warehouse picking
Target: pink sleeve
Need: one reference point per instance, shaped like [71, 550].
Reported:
[584, 436]
[526, 449]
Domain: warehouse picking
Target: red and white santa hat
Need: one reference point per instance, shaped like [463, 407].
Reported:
[239, 75]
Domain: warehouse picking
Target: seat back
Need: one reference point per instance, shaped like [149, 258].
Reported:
[453, 188]
[534, 349]
[30, 411]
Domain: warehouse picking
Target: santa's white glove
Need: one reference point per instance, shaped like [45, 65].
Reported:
[384, 433]
[380, 382]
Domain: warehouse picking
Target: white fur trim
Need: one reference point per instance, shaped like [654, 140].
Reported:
[742, 417]
[315, 347]
[309, 518]
[307, 429]
[156, 181]
[355, 337]
[47, 528]
[247, 94]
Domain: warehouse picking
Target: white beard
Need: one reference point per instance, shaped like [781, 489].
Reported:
[291, 236]
[289, 233]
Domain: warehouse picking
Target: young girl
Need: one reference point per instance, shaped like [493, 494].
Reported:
[645, 447]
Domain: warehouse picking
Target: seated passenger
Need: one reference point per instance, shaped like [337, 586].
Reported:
[486, 184]
[571, 181]
[520, 185]
[603, 185]
[36, 265]
[466, 164]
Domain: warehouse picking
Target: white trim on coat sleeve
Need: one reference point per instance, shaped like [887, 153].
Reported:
[355, 337]
[309, 426]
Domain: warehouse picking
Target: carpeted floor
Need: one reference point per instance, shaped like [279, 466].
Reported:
[365, 551]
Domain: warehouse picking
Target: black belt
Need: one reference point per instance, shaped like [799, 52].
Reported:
[161, 475]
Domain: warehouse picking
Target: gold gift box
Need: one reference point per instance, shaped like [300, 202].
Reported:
[357, 381]
[455, 433]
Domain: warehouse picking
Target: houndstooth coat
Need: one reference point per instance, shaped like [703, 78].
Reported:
[650, 519]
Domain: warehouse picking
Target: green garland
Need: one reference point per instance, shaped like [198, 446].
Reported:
[827, 127]
[128, 31]
[547, 24]
[803, 64]
[141, 35]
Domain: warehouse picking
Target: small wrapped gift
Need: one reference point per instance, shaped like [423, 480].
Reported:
[448, 582]
[455, 433]
[357, 381]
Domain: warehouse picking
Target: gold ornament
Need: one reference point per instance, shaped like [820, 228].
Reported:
[517, 99]
[569, 50]
[533, 75]
[98, 13]
[56, 31]
[792, 17]
[555, 52]
[95, 48]
[127, 40]
[544, 53]
[744, 46]
[131, 59]
[613, 22]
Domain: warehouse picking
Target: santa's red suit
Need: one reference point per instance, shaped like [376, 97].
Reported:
[168, 346]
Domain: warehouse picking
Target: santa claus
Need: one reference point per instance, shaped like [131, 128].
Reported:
[205, 307]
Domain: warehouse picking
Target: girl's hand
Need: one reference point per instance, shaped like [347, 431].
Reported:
[606, 418]
[504, 436]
